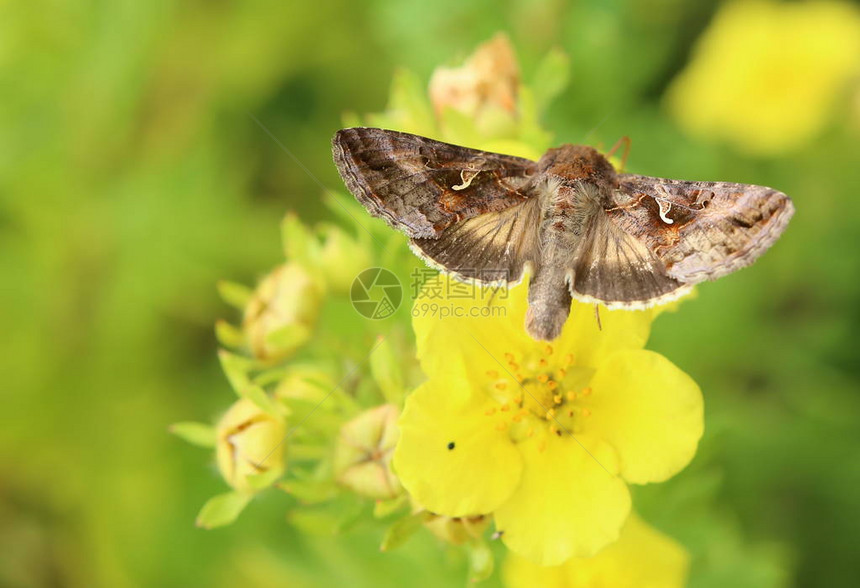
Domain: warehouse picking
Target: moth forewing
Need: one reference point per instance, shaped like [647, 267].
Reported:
[624, 241]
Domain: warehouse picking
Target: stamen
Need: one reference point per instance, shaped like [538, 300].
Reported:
[501, 385]
[548, 350]
[556, 399]
[542, 362]
[562, 373]
[571, 395]
[550, 414]
[505, 407]
[586, 413]
[543, 378]
[586, 391]
[568, 359]
[493, 374]
[490, 411]
[501, 426]
[552, 384]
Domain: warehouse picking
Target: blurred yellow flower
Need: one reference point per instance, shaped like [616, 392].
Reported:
[765, 75]
[641, 558]
[249, 443]
[281, 314]
[544, 436]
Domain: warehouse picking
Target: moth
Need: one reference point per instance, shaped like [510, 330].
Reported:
[582, 230]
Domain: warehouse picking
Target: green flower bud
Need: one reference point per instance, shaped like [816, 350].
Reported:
[282, 312]
[341, 258]
[250, 446]
[362, 459]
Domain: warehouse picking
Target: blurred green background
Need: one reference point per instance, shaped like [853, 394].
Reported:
[133, 177]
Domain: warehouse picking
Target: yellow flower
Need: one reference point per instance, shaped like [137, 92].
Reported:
[641, 558]
[249, 443]
[765, 75]
[282, 312]
[544, 436]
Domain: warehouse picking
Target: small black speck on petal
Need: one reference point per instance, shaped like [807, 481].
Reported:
[451, 445]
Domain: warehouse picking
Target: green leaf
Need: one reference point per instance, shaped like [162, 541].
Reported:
[265, 479]
[299, 243]
[236, 369]
[229, 335]
[310, 491]
[480, 561]
[259, 397]
[222, 509]
[199, 434]
[234, 294]
[550, 79]
[398, 533]
[288, 338]
[385, 368]
[384, 508]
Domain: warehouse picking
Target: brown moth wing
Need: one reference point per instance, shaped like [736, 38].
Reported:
[617, 270]
[421, 186]
[492, 247]
[700, 230]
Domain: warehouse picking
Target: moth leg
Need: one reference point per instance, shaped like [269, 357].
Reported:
[625, 140]
[597, 316]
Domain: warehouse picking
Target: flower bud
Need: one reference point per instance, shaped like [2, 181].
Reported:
[362, 460]
[282, 312]
[250, 442]
[341, 258]
[489, 79]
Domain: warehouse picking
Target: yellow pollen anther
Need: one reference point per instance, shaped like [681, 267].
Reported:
[519, 377]
[493, 374]
[586, 412]
[586, 391]
[571, 395]
[518, 399]
[551, 384]
[556, 399]
[501, 426]
[548, 350]
[501, 385]
[543, 378]
[542, 363]
[570, 413]
[561, 373]
[490, 411]
[505, 407]
[568, 359]
[553, 429]
[550, 413]
[518, 417]
[514, 366]
[509, 357]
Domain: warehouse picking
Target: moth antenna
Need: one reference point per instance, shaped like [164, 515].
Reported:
[597, 316]
[625, 140]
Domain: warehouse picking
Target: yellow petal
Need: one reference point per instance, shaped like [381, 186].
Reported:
[567, 502]
[641, 558]
[589, 341]
[649, 411]
[451, 457]
[451, 318]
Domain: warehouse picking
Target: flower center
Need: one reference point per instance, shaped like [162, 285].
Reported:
[539, 391]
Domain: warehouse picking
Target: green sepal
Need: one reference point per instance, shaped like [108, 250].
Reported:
[234, 294]
[222, 509]
[402, 529]
[199, 434]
